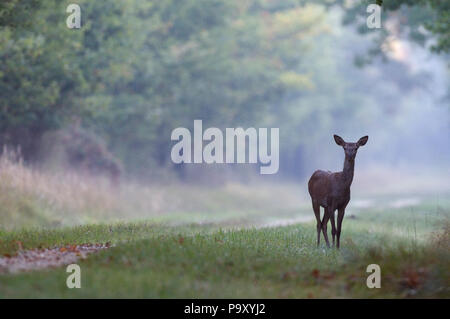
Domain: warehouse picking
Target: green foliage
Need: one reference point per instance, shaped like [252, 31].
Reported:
[440, 25]
[37, 75]
[138, 69]
[135, 70]
[17, 13]
[413, 16]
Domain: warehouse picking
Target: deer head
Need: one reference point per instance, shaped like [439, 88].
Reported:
[350, 149]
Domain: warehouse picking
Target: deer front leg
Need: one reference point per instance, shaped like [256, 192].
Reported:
[340, 217]
[333, 225]
[326, 216]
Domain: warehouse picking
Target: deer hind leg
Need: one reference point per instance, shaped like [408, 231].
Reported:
[316, 208]
[333, 225]
[340, 217]
[326, 216]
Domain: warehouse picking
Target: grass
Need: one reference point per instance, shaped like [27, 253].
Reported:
[189, 242]
[33, 198]
[194, 261]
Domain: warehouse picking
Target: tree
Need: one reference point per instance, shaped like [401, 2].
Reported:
[420, 20]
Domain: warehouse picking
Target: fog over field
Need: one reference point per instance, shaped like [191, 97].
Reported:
[109, 188]
[101, 146]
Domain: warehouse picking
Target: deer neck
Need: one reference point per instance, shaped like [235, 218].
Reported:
[347, 172]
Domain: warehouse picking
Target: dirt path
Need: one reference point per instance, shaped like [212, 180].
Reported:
[35, 259]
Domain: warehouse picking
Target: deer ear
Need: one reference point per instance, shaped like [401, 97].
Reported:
[339, 140]
[362, 141]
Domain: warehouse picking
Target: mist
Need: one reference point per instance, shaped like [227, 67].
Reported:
[401, 101]
[100, 113]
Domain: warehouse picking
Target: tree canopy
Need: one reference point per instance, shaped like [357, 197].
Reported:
[137, 69]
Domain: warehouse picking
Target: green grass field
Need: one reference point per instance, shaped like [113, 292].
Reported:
[235, 240]
[159, 260]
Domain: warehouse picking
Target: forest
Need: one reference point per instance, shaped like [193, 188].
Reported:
[107, 115]
[106, 97]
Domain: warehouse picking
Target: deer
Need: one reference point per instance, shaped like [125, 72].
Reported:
[332, 191]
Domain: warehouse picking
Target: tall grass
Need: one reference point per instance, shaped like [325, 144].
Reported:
[31, 197]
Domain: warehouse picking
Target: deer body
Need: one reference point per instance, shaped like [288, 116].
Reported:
[332, 191]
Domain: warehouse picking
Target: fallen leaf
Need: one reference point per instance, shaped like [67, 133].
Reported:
[315, 273]
[413, 278]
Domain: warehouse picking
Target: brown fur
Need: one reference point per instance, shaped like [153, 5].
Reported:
[332, 191]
